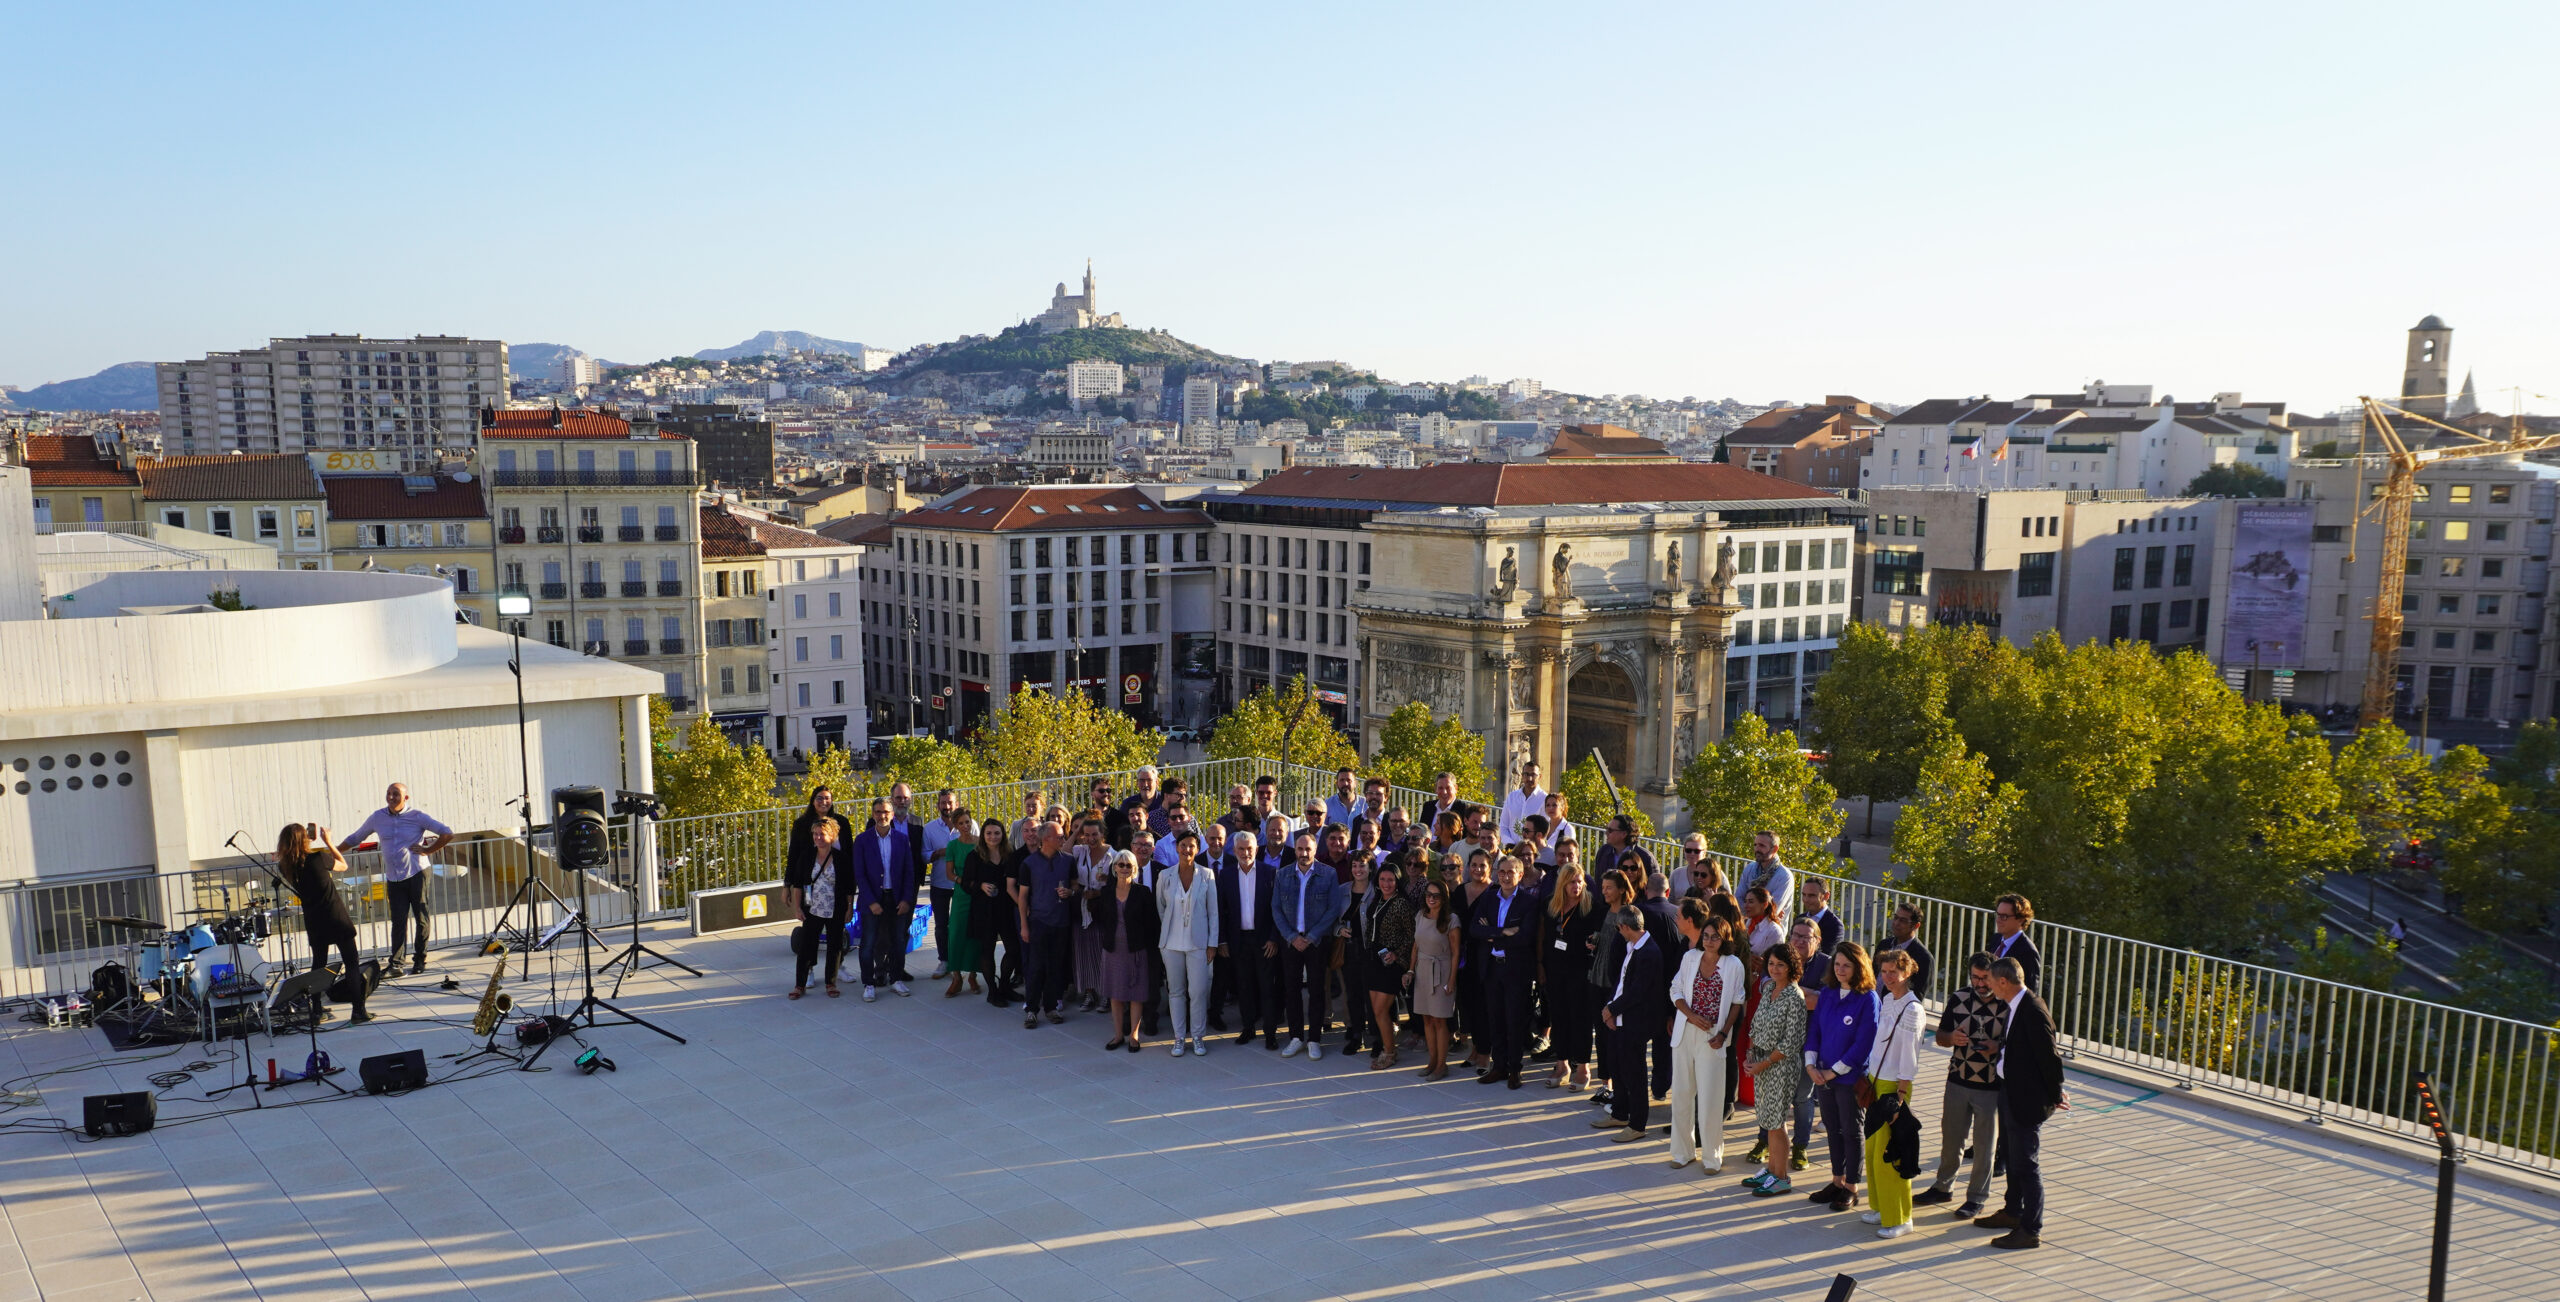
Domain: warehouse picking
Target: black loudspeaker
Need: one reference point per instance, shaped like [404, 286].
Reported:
[578, 832]
[385, 1073]
[361, 982]
[118, 1114]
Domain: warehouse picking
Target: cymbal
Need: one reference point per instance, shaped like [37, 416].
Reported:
[129, 924]
[192, 913]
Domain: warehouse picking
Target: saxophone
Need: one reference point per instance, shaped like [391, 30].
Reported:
[494, 1003]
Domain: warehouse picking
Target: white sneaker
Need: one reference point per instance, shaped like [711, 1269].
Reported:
[870, 993]
[940, 971]
[1179, 1049]
[900, 987]
[1293, 1048]
[1894, 1231]
[1199, 1048]
[1872, 1218]
[1315, 1052]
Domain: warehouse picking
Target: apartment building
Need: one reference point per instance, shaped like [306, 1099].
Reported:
[2107, 438]
[1007, 588]
[1090, 379]
[275, 500]
[1199, 402]
[815, 651]
[2021, 562]
[415, 524]
[747, 563]
[596, 520]
[1071, 450]
[2475, 586]
[734, 444]
[1824, 445]
[416, 398]
[78, 480]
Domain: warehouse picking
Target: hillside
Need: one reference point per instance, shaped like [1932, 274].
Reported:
[1023, 348]
[540, 361]
[125, 386]
[772, 342]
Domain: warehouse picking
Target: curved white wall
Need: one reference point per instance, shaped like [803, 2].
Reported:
[311, 628]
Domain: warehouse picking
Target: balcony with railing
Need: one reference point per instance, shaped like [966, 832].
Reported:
[519, 478]
[670, 646]
[635, 587]
[635, 646]
[670, 587]
[591, 590]
[555, 591]
[670, 533]
[550, 533]
[629, 533]
[511, 534]
[590, 533]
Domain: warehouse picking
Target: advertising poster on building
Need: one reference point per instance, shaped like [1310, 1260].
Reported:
[1967, 597]
[2263, 624]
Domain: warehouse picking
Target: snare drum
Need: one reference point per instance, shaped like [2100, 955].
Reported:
[158, 959]
[196, 938]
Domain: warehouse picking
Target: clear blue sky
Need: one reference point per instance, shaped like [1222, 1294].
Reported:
[1759, 201]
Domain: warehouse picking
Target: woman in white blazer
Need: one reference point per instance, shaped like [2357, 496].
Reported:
[1892, 1061]
[1706, 997]
[1187, 900]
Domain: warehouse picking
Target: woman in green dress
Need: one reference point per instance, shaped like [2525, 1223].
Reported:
[963, 958]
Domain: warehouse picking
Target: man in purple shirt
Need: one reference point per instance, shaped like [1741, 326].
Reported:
[408, 836]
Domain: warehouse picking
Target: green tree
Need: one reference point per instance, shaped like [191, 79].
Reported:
[2496, 982]
[1287, 724]
[833, 768]
[2330, 960]
[2389, 791]
[1041, 735]
[2235, 480]
[1878, 712]
[1586, 797]
[929, 765]
[1752, 781]
[1413, 751]
[711, 775]
[1957, 833]
[226, 599]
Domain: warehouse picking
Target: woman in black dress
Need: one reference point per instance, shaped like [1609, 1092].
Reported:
[306, 855]
[1569, 928]
[1386, 957]
[991, 910]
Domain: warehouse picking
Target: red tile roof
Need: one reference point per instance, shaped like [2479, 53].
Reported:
[218, 477]
[1013, 508]
[72, 461]
[1596, 441]
[554, 423]
[726, 535]
[1474, 483]
[387, 497]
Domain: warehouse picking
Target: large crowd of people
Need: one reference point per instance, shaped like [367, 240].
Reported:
[1478, 938]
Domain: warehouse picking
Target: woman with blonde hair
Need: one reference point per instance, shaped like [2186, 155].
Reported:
[1125, 919]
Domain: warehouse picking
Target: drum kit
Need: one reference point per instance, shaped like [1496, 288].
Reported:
[182, 981]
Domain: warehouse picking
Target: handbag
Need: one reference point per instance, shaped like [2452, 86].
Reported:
[1866, 1088]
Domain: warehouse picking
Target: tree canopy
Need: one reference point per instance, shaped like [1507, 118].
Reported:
[2235, 479]
[709, 774]
[1287, 724]
[1878, 713]
[1586, 797]
[1413, 750]
[1041, 735]
[1756, 780]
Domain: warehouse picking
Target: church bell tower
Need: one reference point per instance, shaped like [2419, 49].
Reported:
[2428, 377]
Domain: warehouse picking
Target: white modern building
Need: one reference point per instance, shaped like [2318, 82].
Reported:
[2107, 438]
[141, 729]
[1090, 379]
[417, 399]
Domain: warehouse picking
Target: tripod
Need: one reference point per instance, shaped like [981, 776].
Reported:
[588, 1005]
[628, 962]
[316, 1067]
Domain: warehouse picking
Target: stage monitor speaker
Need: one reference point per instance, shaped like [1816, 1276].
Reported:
[386, 1072]
[567, 800]
[103, 1115]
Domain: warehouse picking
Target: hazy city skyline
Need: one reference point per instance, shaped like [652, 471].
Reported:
[1757, 205]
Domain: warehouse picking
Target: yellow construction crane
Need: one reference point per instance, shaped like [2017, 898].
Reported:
[2390, 505]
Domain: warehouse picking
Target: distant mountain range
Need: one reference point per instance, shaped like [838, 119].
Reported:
[125, 386]
[540, 361]
[774, 341]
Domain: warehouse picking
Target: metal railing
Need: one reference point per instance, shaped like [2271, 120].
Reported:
[2329, 1051]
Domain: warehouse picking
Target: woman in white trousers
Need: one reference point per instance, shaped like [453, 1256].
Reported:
[1187, 901]
[1706, 997]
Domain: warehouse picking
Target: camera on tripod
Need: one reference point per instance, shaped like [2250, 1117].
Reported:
[627, 804]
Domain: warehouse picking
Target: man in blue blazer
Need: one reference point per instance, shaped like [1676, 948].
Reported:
[1304, 909]
[1249, 938]
[884, 875]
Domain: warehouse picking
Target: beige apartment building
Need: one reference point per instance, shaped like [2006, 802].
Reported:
[596, 520]
[749, 566]
[411, 401]
[415, 524]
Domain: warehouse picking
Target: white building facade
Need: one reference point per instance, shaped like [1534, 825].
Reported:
[814, 650]
[416, 399]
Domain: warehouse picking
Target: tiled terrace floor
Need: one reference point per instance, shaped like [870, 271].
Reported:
[920, 1148]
